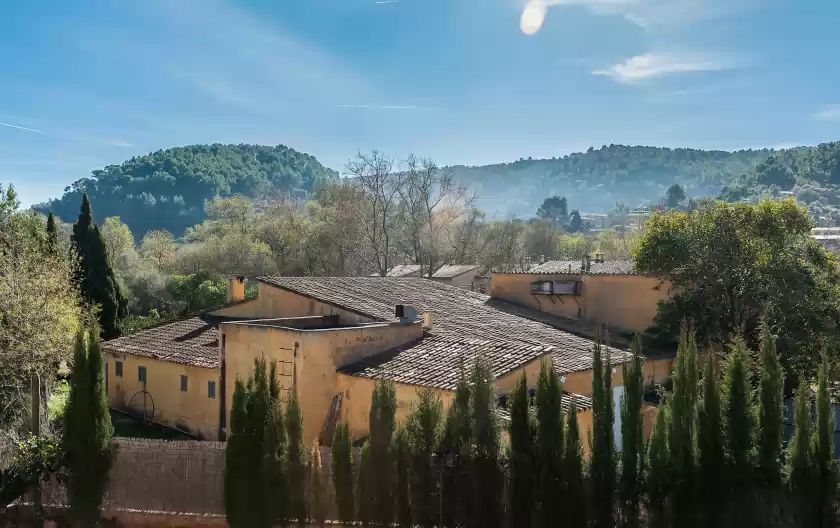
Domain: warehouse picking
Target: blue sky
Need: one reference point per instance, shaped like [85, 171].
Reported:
[86, 84]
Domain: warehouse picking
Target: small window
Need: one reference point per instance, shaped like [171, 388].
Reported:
[183, 383]
[141, 374]
[211, 389]
[118, 368]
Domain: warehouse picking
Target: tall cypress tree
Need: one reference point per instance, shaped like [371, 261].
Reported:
[383, 424]
[549, 446]
[342, 473]
[236, 460]
[681, 437]
[577, 512]
[275, 489]
[521, 489]
[710, 445]
[823, 440]
[88, 431]
[632, 438]
[659, 471]
[95, 274]
[424, 427]
[487, 478]
[602, 471]
[402, 455]
[52, 234]
[457, 443]
[800, 456]
[318, 505]
[295, 459]
[739, 424]
[770, 412]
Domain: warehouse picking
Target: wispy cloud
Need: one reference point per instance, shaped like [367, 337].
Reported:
[653, 65]
[387, 2]
[26, 129]
[828, 113]
[381, 107]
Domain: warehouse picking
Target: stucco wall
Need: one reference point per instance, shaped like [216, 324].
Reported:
[657, 370]
[192, 410]
[581, 382]
[463, 280]
[506, 383]
[624, 301]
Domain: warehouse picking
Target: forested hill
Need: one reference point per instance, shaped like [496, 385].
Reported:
[167, 189]
[596, 179]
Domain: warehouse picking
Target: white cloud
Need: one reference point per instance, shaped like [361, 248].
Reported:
[381, 107]
[387, 2]
[35, 130]
[828, 113]
[653, 65]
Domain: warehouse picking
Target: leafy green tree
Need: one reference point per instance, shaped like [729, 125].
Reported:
[119, 244]
[555, 210]
[710, 447]
[682, 422]
[296, 458]
[602, 470]
[487, 477]
[577, 513]
[773, 172]
[402, 455]
[674, 196]
[575, 222]
[632, 439]
[549, 489]
[342, 473]
[423, 427]
[734, 265]
[88, 431]
[158, 247]
[521, 488]
[739, 425]
[800, 456]
[658, 481]
[96, 276]
[823, 440]
[770, 412]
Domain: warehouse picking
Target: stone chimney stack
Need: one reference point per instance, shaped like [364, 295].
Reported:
[428, 320]
[588, 262]
[236, 289]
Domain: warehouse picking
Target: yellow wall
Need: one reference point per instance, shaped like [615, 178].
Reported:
[625, 301]
[506, 383]
[657, 370]
[192, 410]
[581, 382]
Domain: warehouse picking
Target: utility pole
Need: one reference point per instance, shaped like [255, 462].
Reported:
[35, 389]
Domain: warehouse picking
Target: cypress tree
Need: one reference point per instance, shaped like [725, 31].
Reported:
[423, 428]
[739, 425]
[88, 431]
[770, 412]
[602, 470]
[800, 456]
[383, 424]
[710, 444]
[236, 460]
[365, 505]
[632, 438]
[342, 473]
[317, 487]
[576, 514]
[296, 459]
[521, 460]
[52, 234]
[681, 437]
[823, 440]
[275, 489]
[487, 478]
[658, 468]
[98, 282]
[402, 454]
[456, 443]
[549, 446]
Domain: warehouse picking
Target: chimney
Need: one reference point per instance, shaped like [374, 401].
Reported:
[599, 257]
[588, 259]
[236, 289]
[428, 320]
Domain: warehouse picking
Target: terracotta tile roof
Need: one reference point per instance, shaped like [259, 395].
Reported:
[582, 403]
[573, 267]
[446, 271]
[453, 270]
[466, 324]
[404, 270]
[190, 341]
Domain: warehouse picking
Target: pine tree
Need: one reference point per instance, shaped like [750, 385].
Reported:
[823, 440]
[487, 478]
[739, 425]
[681, 437]
[342, 473]
[658, 468]
[423, 428]
[770, 412]
[98, 283]
[602, 471]
[296, 459]
[52, 234]
[456, 444]
[236, 460]
[800, 456]
[88, 431]
[402, 454]
[318, 505]
[576, 514]
[549, 446]
[383, 424]
[632, 438]
[710, 445]
[522, 457]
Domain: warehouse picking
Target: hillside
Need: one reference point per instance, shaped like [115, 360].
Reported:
[596, 179]
[167, 189]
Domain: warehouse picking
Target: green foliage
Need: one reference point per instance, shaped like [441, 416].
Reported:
[457, 442]
[52, 234]
[770, 412]
[575, 222]
[632, 439]
[734, 265]
[382, 426]
[88, 431]
[486, 473]
[555, 210]
[237, 459]
[423, 430]
[167, 189]
[342, 473]
[682, 421]
[800, 454]
[318, 494]
[658, 481]
[602, 470]
[295, 458]
[39, 457]
[674, 196]
[402, 453]
[738, 418]
[710, 447]
[522, 457]
[823, 441]
[576, 514]
[549, 446]
[95, 274]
